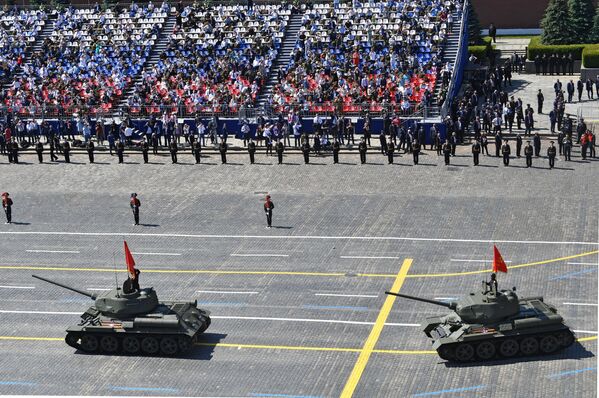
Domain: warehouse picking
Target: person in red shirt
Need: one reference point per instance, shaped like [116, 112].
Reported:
[268, 207]
[135, 203]
[356, 58]
[7, 205]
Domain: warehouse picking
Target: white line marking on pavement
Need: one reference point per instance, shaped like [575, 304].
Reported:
[444, 298]
[17, 287]
[586, 331]
[156, 254]
[379, 238]
[584, 304]
[346, 295]
[223, 292]
[372, 257]
[53, 251]
[100, 289]
[461, 260]
[583, 263]
[259, 255]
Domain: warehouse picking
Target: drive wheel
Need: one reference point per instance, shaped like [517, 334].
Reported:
[485, 350]
[464, 352]
[509, 348]
[109, 344]
[548, 344]
[131, 345]
[529, 346]
[565, 338]
[184, 343]
[150, 345]
[169, 346]
[89, 343]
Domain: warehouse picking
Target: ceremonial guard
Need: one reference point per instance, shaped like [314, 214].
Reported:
[506, 151]
[567, 148]
[135, 203]
[528, 153]
[446, 151]
[551, 152]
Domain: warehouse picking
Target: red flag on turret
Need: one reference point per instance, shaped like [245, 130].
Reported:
[129, 260]
[498, 263]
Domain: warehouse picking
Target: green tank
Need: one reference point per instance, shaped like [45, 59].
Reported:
[492, 324]
[135, 323]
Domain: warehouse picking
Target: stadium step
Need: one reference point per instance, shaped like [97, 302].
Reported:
[450, 53]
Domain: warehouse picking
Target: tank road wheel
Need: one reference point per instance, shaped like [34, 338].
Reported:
[509, 348]
[169, 346]
[565, 338]
[131, 345]
[184, 343]
[529, 346]
[485, 350]
[109, 344]
[464, 352]
[72, 339]
[89, 343]
[445, 353]
[150, 345]
[548, 344]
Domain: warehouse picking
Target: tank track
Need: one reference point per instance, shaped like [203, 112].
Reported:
[507, 347]
[129, 344]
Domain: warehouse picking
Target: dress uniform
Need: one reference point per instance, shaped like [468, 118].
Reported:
[447, 151]
[196, 149]
[135, 203]
[336, 148]
[551, 152]
[518, 145]
[567, 148]
[144, 150]
[475, 152]
[383, 142]
[506, 151]
[280, 148]
[66, 149]
[252, 150]
[390, 151]
[7, 205]
[528, 153]
[173, 148]
[53, 157]
[155, 142]
[537, 144]
[416, 150]
[362, 148]
[39, 148]
[222, 147]
[120, 150]
[90, 151]
[306, 152]
[268, 207]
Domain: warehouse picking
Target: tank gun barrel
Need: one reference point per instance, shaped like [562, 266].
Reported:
[450, 305]
[90, 295]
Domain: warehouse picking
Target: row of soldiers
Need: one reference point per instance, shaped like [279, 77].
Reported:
[554, 64]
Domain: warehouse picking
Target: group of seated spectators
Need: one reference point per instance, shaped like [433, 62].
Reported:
[18, 29]
[217, 59]
[88, 60]
[374, 54]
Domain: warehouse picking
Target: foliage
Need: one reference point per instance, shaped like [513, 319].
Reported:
[556, 23]
[581, 20]
[590, 57]
[536, 47]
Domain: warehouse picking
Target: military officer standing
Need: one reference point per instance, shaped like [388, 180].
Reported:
[528, 153]
[567, 148]
[222, 147]
[551, 152]
[390, 151]
[135, 203]
[66, 149]
[280, 148]
[120, 150]
[306, 151]
[416, 150]
[560, 142]
[447, 151]
[144, 150]
[537, 144]
[383, 142]
[15, 151]
[196, 149]
[39, 148]
[362, 148]
[475, 152]
[155, 142]
[336, 148]
[173, 148]
[518, 144]
[252, 150]
[90, 150]
[506, 151]
[53, 157]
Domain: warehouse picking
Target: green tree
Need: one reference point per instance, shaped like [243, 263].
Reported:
[473, 26]
[556, 23]
[581, 13]
[594, 36]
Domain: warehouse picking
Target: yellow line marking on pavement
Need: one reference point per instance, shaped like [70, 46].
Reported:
[375, 333]
[31, 338]
[587, 338]
[290, 273]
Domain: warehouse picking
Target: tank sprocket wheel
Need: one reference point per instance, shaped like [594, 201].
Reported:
[549, 344]
[109, 344]
[529, 346]
[565, 338]
[509, 347]
[131, 345]
[169, 346]
[485, 350]
[464, 352]
[72, 340]
[89, 343]
[184, 343]
[150, 345]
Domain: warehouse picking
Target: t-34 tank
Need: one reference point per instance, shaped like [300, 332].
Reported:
[488, 324]
[135, 322]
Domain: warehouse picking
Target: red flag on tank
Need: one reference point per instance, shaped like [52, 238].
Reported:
[129, 260]
[498, 263]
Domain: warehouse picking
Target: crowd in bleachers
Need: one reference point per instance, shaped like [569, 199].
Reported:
[89, 59]
[18, 29]
[217, 59]
[374, 53]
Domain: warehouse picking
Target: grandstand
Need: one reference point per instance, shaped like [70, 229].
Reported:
[352, 57]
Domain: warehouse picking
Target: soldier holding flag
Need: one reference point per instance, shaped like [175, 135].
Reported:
[131, 285]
